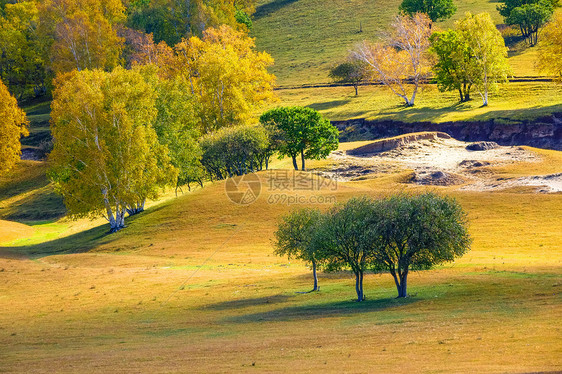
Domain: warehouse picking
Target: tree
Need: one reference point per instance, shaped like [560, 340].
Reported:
[22, 66]
[81, 34]
[106, 158]
[453, 65]
[13, 125]
[550, 47]
[226, 75]
[344, 239]
[352, 72]
[488, 52]
[294, 238]
[177, 128]
[416, 232]
[301, 131]
[403, 60]
[436, 10]
[234, 151]
[529, 15]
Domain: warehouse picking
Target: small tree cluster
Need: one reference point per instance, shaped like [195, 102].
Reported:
[351, 72]
[529, 15]
[235, 151]
[395, 234]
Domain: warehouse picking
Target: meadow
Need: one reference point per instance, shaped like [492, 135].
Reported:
[192, 284]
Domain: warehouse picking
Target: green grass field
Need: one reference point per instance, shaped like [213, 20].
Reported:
[192, 285]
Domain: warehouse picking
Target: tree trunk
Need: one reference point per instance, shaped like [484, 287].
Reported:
[461, 95]
[355, 86]
[295, 163]
[402, 289]
[359, 286]
[315, 276]
[302, 159]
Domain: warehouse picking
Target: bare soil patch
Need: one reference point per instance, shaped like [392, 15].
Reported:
[437, 159]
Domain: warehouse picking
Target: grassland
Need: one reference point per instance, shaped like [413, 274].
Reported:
[192, 285]
[513, 102]
[307, 37]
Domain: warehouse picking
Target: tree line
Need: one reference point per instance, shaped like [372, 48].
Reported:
[471, 56]
[396, 234]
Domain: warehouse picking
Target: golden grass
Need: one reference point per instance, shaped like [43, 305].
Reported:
[192, 285]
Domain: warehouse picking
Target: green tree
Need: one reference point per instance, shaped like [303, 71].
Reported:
[294, 238]
[351, 72]
[234, 151]
[529, 15]
[345, 239]
[301, 131]
[106, 158]
[550, 47]
[436, 10]
[415, 233]
[453, 66]
[488, 53]
[177, 128]
[13, 125]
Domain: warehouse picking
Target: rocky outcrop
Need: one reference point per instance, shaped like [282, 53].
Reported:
[543, 132]
[388, 144]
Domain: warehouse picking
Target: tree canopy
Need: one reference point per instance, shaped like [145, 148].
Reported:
[300, 131]
[550, 47]
[106, 158]
[528, 15]
[403, 60]
[436, 10]
[294, 238]
[13, 124]
[352, 72]
[488, 53]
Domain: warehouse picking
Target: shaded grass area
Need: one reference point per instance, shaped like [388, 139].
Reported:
[513, 102]
[26, 194]
[38, 114]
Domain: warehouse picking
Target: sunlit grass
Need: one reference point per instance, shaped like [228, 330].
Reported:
[513, 102]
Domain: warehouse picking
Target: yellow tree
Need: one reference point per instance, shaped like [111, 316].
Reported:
[13, 124]
[403, 60]
[21, 61]
[550, 47]
[226, 75]
[106, 158]
[81, 34]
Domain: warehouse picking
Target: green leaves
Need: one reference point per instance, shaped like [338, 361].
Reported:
[300, 130]
[436, 10]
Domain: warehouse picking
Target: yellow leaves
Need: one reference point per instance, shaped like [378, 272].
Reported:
[13, 124]
[104, 140]
[550, 47]
[81, 34]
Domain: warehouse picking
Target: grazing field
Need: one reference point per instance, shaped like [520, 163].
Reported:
[192, 285]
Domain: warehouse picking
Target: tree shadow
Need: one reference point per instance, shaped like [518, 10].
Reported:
[328, 104]
[271, 7]
[330, 309]
[244, 303]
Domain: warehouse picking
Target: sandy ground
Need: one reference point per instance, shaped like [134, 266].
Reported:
[445, 162]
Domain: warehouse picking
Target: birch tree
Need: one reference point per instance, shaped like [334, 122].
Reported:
[13, 124]
[488, 53]
[403, 63]
[106, 159]
[550, 47]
